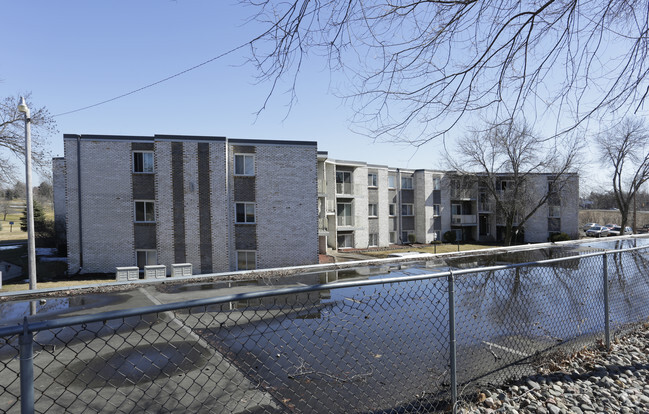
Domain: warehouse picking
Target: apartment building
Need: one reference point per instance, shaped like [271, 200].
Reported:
[220, 204]
[362, 205]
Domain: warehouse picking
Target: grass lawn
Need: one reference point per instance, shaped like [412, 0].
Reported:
[429, 248]
[11, 233]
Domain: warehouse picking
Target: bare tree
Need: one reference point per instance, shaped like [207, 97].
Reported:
[505, 159]
[626, 148]
[12, 137]
[418, 67]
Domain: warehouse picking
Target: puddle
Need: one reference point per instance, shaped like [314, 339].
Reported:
[383, 341]
[134, 365]
[12, 313]
[10, 247]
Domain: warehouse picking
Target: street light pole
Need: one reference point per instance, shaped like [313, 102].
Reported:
[31, 244]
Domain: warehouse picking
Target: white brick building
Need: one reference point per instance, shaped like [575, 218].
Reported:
[220, 204]
[363, 206]
[231, 204]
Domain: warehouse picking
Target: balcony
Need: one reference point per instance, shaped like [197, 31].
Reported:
[344, 221]
[462, 194]
[344, 189]
[485, 207]
[464, 220]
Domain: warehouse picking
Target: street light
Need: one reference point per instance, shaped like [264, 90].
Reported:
[31, 244]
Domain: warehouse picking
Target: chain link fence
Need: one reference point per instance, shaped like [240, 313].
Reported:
[416, 343]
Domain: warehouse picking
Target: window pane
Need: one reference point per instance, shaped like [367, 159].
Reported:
[151, 258]
[392, 181]
[240, 213]
[141, 259]
[150, 212]
[250, 213]
[137, 162]
[147, 162]
[139, 211]
[244, 165]
[241, 262]
[249, 165]
[143, 162]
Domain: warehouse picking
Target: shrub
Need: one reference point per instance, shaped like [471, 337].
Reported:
[557, 237]
[449, 237]
[412, 238]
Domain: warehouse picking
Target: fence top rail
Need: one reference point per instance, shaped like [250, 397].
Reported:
[125, 313]
[324, 267]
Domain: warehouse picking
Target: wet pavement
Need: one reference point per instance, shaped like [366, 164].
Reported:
[317, 350]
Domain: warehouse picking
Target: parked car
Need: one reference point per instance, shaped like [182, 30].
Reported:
[610, 225]
[587, 226]
[643, 230]
[617, 231]
[597, 231]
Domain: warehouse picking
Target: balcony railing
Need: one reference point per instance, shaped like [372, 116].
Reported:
[486, 206]
[344, 221]
[462, 193]
[464, 219]
[343, 188]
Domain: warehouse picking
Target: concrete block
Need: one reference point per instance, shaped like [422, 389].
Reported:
[155, 272]
[181, 269]
[124, 274]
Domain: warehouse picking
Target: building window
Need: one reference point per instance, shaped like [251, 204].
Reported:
[244, 164]
[554, 225]
[392, 210]
[344, 214]
[144, 212]
[393, 237]
[436, 183]
[146, 258]
[142, 162]
[405, 236]
[407, 210]
[392, 181]
[244, 212]
[345, 241]
[246, 259]
[554, 211]
[372, 180]
[436, 210]
[372, 210]
[374, 240]
[343, 182]
[406, 183]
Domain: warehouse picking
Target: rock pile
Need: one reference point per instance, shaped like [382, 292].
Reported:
[590, 381]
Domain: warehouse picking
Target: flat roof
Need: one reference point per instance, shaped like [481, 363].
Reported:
[167, 137]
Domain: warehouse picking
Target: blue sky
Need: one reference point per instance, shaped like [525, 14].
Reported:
[72, 54]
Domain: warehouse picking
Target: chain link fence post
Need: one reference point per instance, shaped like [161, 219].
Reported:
[26, 341]
[607, 331]
[451, 323]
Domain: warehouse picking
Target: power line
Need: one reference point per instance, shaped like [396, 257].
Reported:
[156, 83]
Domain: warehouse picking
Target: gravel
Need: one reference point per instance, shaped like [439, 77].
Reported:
[589, 381]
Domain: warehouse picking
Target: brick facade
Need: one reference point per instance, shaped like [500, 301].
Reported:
[193, 198]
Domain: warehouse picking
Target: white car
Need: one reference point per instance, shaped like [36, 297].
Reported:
[617, 231]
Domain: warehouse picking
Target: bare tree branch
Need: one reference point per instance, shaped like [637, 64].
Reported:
[12, 137]
[417, 68]
[504, 157]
